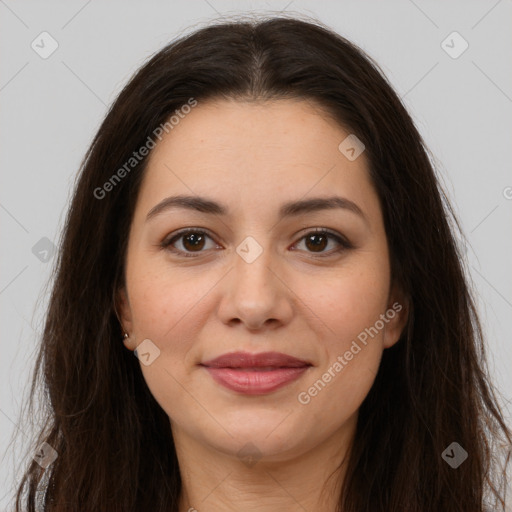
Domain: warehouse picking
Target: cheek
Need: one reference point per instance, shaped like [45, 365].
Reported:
[166, 309]
[171, 309]
[163, 302]
[350, 312]
[346, 304]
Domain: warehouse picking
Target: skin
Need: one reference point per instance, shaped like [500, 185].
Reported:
[252, 157]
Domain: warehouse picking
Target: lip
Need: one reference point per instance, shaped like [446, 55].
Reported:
[255, 374]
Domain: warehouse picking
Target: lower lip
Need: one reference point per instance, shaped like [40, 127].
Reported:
[250, 382]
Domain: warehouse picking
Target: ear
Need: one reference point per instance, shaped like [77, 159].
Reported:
[124, 314]
[397, 314]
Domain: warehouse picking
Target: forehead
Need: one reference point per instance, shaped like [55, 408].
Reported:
[246, 152]
[279, 129]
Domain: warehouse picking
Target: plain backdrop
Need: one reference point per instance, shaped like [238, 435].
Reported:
[51, 108]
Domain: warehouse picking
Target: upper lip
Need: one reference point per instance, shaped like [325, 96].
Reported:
[248, 360]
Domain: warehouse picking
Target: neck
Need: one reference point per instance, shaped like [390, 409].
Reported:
[214, 480]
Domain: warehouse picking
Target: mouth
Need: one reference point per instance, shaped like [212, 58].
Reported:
[255, 374]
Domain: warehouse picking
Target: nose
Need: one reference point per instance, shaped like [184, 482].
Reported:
[255, 294]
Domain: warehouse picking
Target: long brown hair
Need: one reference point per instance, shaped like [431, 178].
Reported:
[114, 443]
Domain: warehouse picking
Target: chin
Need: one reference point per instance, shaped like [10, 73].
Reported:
[273, 434]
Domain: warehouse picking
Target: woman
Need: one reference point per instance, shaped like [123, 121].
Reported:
[258, 221]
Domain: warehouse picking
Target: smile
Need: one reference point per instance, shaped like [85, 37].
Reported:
[255, 374]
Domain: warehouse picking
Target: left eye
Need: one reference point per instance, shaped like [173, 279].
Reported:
[317, 241]
[194, 241]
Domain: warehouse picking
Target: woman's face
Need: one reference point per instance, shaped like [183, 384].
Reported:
[257, 279]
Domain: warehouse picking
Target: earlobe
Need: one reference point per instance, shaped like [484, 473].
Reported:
[128, 342]
[124, 315]
[397, 314]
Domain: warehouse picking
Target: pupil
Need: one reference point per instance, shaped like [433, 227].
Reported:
[196, 241]
[316, 245]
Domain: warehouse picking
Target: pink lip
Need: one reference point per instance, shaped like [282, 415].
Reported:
[255, 374]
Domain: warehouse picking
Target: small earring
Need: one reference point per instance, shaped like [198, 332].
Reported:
[126, 336]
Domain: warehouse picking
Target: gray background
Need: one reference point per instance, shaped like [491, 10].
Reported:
[51, 108]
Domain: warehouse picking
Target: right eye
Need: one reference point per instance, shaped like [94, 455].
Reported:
[191, 240]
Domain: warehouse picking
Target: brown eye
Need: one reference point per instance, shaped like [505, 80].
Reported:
[318, 240]
[191, 241]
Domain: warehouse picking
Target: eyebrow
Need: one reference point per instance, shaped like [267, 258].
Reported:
[289, 209]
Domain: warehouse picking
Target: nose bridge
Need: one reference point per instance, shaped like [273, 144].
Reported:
[255, 293]
[252, 274]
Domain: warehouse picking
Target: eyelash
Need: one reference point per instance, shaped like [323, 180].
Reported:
[167, 243]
